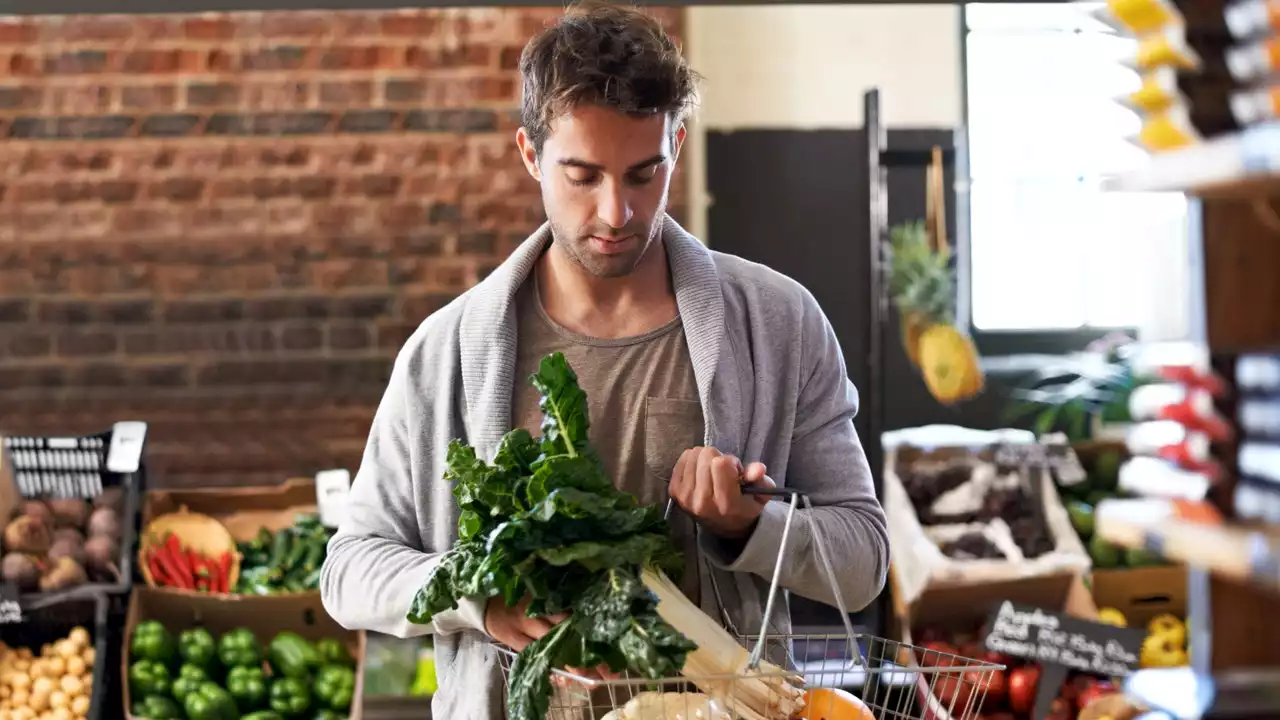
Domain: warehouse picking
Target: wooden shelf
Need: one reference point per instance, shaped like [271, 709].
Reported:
[1249, 555]
[1244, 165]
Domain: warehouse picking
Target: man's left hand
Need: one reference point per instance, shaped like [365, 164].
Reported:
[707, 484]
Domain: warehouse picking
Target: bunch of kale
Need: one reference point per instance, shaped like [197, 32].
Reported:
[545, 522]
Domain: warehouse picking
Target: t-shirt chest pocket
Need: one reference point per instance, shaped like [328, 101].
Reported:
[671, 426]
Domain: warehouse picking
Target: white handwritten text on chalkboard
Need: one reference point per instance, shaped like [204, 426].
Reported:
[1049, 638]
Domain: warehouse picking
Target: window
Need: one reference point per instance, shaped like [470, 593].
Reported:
[1052, 253]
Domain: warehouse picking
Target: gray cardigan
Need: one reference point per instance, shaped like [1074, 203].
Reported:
[773, 388]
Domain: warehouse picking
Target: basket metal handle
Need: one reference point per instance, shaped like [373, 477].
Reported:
[795, 497]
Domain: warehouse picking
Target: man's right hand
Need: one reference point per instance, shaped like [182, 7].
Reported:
[512, 627]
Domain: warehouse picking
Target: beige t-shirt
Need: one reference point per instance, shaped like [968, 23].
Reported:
[642, 401]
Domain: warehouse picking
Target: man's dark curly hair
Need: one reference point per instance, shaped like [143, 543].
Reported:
[603, 54]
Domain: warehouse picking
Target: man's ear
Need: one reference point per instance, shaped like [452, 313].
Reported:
[528, 154]
[677, 143]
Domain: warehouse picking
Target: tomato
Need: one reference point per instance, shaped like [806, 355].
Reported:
[1023, 682]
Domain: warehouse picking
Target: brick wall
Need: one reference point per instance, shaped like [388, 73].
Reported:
[227, 225]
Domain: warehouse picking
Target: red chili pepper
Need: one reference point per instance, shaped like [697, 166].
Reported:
[180, 558]
[204, 579]
[224, 571]
[157, 573]
[173, 569]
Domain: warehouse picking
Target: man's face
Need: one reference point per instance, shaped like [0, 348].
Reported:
[605, 178]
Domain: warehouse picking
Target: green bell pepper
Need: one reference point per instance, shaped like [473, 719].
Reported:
[327, 714]
[248, 685]
[263, 715]
[240, 648]
[290, 697]
[157, 707]
[335, 685]
[151, 641]
[292, 656]
[149, 677]
[197, 647]
[334, 652]
[190, 678]
[210, 702]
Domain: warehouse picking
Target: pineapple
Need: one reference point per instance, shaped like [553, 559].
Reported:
[923, 290]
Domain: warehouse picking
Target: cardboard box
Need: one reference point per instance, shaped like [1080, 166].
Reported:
[1142, 593]
[302, 613]
[963, 608]
[921, 562]
[242, 510]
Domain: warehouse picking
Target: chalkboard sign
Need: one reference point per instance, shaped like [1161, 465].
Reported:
[1033, 634]
[1059, 643]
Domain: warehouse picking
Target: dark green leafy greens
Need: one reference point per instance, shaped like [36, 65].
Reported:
[544, 521]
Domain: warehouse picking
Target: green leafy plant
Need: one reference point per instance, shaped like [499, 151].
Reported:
[1070, 393]
[543, 521]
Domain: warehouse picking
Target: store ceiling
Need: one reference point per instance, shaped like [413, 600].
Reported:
[66, 7]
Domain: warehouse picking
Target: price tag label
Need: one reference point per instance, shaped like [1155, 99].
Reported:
[125, 453]
[10, 610]
[332, 488]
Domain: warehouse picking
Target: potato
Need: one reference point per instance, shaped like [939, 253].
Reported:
[22, 712]
[59, 699]
[21, 681]
[76, 666]
[38, 701]
[57, 666]
[20, 699]
[43, 686]
[63, 714]
[79, 637]
[88, 656]
[71, 685]
[80, 705]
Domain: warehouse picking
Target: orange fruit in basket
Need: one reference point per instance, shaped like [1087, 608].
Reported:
[832, 704]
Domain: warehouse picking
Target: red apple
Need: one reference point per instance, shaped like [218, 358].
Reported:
[1023, 682]
[937, 654]
[1097, 690]
[1060, 709]
[953, 690]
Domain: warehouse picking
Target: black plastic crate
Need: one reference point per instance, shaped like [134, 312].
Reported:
[43, 468]
[50, 618]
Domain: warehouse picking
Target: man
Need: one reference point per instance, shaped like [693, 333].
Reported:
[702, 370]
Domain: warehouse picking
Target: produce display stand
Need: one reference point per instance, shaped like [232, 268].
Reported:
[241, 513]
[1232, 183]
[85, 468]
[301, 613]
[50, 618]
[873, 389]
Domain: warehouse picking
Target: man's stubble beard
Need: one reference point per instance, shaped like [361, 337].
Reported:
[577, 249]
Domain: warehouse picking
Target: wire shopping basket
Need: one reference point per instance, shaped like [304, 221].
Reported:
[789, 676]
